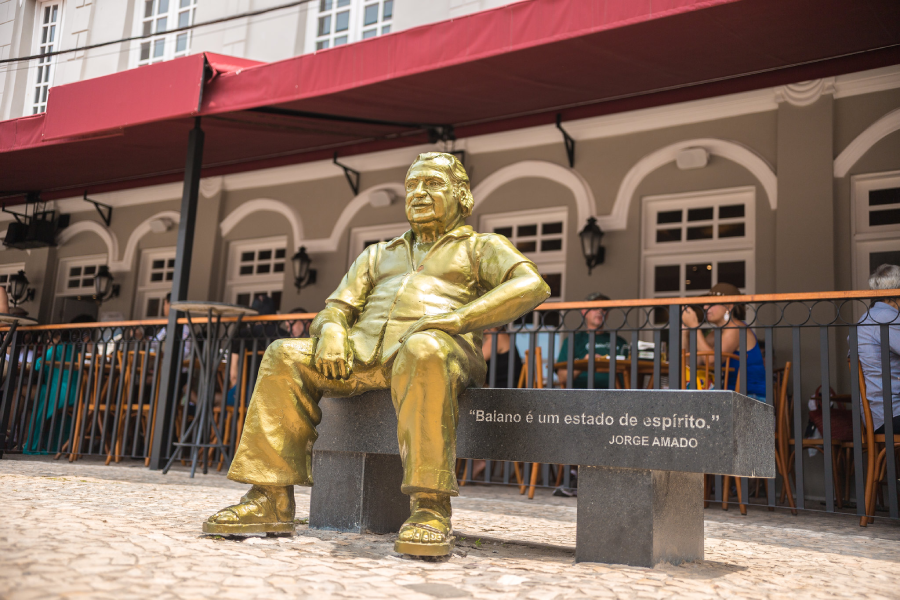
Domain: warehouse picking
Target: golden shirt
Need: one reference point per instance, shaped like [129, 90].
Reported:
[389, 292]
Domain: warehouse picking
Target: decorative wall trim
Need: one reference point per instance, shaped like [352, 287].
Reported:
[750, 160]
[584, 197]
[874, 133]
[108, 237]
[330, 244]
[263, 205]
[804, 93]
[139, 232]
[210, 186]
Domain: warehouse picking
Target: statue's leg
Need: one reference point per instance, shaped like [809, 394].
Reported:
[429, 372]
[275, 450]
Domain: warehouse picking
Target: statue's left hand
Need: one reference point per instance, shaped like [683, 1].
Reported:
[450, 323]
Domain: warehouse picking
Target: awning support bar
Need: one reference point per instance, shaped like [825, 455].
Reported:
[568, 139]
[352, 175]
[107, 216]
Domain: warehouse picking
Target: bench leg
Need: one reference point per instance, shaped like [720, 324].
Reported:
[357, 492]
[639, 517]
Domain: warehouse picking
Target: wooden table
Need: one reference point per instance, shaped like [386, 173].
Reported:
[623, 368]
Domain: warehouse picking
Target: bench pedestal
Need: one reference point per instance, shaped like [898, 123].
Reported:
[639, 517]
[357, 492]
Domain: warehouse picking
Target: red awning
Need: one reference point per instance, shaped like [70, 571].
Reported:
[511, 67]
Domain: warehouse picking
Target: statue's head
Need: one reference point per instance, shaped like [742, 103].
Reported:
[437, 189]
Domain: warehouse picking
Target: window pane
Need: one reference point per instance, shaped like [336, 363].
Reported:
[158, 264]
[148, 28]
[163, 7]
[698, 277]
[888, 257]
[265, 255]
[554, 280]
[47, 15]
[343, 3]
[243, 299]
[324, 5]
[734, 273]
[276, 299]
[388, 10]
[184, 3]
[882, 197]
[551, 245]
[153, 308]
[159, 46]
[727, 230]
[278, 268]
[89, 270]
[156, 277]
[731, 212]
[322, 45]
[260, 269]
[184, 19]
[246, 270]
[340, 40]
[245, 256]
[527, 246]
[87, 282]
[666, 277]
[700, 214]
[370, 15]
[884, 217]
[161, 25]
[169, 276]
[700, 233]
[171, 263]
[668, 216]
[325, 25]
[75, 272]
[507, 231]
[369, 33]
[279, 253]
[181, 42]
[668, 235]
[526, 230]
[552, 228]
[342, 21]
[148, 8]
[145, 51]
[385, 29]
[74, 283]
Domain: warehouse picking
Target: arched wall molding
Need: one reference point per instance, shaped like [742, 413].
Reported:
[584, 197]
[108, 237]
[331, 243]
[750, 160]
[139, 232]
[873, 134]
[264, 205]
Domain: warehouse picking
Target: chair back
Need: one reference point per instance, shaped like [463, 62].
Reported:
[782, 416]
[538, 381]
[706, 370]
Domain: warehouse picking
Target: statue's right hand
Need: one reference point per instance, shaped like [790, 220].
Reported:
[334, 359]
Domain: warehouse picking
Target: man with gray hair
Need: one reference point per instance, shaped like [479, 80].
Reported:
[885, 311]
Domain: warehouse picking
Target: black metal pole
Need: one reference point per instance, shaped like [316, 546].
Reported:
[170, 363]
[9, 387]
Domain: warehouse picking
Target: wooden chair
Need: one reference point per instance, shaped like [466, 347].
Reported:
[135, 375]
[783, 434]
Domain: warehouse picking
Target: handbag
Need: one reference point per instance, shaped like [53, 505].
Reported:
[841, 418]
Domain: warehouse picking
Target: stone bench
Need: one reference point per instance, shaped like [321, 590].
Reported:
[641, 455]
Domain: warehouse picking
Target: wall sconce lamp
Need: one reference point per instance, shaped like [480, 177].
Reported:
[19, 291]
[303, 275]
[104, 286]
[591, 237]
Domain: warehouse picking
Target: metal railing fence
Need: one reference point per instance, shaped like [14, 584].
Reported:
[92, 389]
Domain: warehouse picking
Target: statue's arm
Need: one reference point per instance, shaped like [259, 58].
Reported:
[524, 290]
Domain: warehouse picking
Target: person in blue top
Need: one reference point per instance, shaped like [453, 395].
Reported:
[594, 319]
[885, 311]
[728, 317]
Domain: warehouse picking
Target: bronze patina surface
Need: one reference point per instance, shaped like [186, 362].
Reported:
[408, 316]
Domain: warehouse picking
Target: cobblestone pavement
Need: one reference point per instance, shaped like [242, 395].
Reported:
[92, 531]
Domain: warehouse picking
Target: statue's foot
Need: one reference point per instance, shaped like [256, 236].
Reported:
[427, 531]
[264, 509]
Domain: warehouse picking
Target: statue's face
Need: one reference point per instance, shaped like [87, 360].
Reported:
[429, 196]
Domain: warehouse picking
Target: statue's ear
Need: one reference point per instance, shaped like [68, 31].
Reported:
[465, 199]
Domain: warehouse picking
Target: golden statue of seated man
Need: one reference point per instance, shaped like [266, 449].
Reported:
[408, 317]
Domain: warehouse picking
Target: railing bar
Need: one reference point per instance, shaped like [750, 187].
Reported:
[742, 359]
[19, 401]
[856, 403]
[492, 374]
[69, 393]
[826, 419]
[36, 391]
[511, 376]
[613, 351]
[506, 469]
[657, 361]
[770, 400]
[529, 382]
[692, 349]
[674, 345]
[154, 403]
[487, 471]
[115, 357]
[125, 411]
[718, 368]
[887, 399]
[48, 406]
[93, 387]
[570, 361]
[591, 358]
[142, 350]
[545, 474]
[798, 421]
[635, 356]
[550, 358]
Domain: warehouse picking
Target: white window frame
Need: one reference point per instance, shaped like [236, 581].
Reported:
[152, 290]
[237, 284]
[360, 235]
[655, 253]
[46, 66]
[865, 239]
[62, 274]
[549, 262]
[355, 32]
[7, 271]
[169, 40]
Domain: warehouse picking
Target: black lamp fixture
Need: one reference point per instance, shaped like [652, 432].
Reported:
[19, 291]
[591, 237]
[303, 275]
[104, 286]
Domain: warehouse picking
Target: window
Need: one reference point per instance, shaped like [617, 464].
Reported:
[256, 267]
[46, 41]
[363, 237]
[157, 271]
[693, 241]
[541, 236]
[75, 276]
[156, 19]
[338, 22]
[875, 224]
[7, 271]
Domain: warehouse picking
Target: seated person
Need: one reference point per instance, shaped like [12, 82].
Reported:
[729, 317]
[594, 320]
[884, 311]
[503, 354]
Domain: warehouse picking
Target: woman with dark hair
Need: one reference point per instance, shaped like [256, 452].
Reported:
[729, 318]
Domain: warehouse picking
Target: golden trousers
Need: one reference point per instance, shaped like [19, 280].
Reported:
[425, 377]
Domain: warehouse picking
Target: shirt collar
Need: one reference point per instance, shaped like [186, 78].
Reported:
[463, 231]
